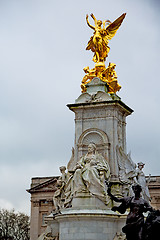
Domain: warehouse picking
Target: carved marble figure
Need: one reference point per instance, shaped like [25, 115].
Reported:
[141, 180]
[49, 234]
[135, 219]
[91, 173]
[50, 237]
[59, 195]
[127, 171]
[119, 236]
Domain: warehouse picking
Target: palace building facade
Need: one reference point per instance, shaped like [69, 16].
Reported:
[42, 191]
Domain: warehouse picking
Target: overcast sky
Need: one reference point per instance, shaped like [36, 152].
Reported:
[42, 56]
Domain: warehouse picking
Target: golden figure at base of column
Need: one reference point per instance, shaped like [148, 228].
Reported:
[110, 77]
[107, 75]
[90, 74]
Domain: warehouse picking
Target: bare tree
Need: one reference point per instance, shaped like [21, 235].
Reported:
[13, 226]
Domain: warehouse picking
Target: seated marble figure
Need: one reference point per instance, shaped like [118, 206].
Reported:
[91, 174]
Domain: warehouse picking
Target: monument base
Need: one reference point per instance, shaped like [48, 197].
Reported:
[89, 224]
[86, 200]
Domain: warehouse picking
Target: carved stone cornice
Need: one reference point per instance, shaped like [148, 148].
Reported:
[44, 187]
[36, 203]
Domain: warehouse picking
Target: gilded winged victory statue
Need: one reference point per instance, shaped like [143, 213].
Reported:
[98, 44]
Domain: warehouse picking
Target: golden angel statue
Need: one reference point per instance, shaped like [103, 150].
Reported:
[98, 43]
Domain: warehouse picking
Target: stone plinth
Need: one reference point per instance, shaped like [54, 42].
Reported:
[87, 201]
[52, 230]
[104, 123]
[89, 224]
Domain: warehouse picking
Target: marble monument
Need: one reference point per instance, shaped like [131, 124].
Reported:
[99, 158]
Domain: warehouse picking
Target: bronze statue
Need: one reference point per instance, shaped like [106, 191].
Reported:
[135, 220]
[152, 226]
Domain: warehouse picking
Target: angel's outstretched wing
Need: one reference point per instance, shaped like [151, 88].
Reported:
[130, 165]
[71, 161]
[112, 28]
[121, 165]
[126, 166]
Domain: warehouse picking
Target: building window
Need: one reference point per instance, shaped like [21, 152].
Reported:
[43, 202]
[43, 216]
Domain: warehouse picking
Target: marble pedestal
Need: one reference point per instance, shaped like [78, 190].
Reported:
[89, 224]
[102, 122]
[87, 201]
[100, 118]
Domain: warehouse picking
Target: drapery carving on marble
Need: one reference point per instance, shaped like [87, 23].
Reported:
[59, 195]
[91, 176]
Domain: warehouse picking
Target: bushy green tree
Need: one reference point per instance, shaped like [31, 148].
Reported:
[13, 226]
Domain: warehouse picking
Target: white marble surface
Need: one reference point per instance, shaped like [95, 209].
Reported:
[89, 224]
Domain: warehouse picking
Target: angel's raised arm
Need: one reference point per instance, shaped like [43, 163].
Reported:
[104, 23]
[89, 23]
[92, 15]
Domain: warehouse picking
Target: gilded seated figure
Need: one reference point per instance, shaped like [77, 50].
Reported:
[90, 74]
[107, 75]
[92, 172]
[110, 76]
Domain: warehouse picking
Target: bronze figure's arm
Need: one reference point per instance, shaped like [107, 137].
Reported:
[147, 207]
[113, 197]
[122, 207]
